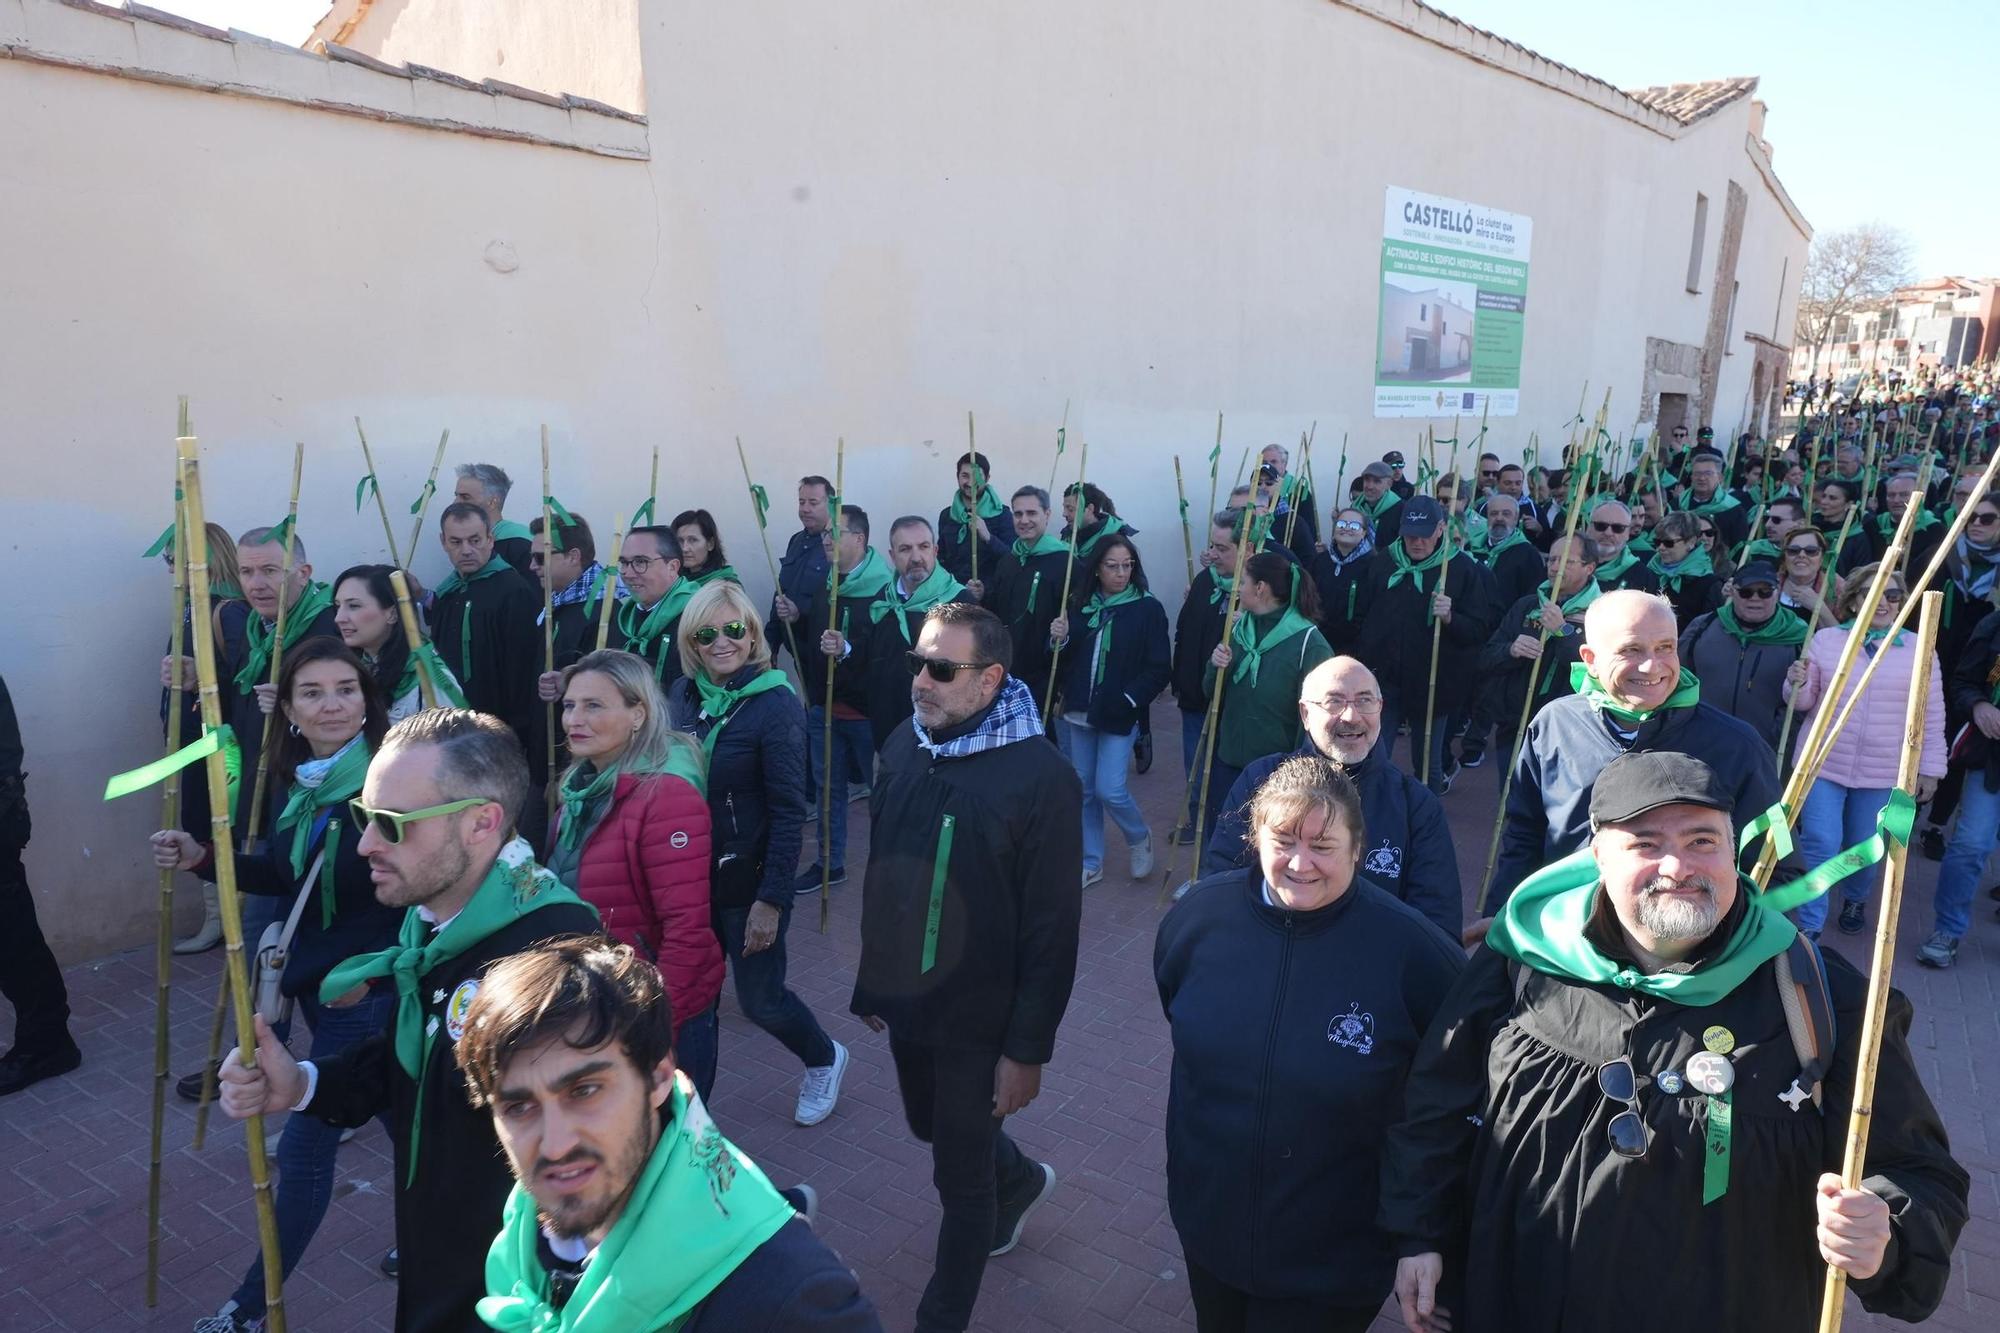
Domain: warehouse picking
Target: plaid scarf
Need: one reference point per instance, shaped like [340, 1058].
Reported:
[1014, 717]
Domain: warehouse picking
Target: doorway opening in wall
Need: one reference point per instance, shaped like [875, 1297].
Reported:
[1673, 412]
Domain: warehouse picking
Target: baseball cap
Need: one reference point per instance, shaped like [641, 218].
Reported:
[1394, 458]
[1644, 780]
[1757, 571]
[1421, 516]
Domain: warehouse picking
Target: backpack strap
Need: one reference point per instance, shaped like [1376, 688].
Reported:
[1808, 1005]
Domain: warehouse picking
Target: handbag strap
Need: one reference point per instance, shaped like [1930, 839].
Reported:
[299, 903]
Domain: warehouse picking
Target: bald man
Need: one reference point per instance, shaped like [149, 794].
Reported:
[1408, 847]
[1632, 695]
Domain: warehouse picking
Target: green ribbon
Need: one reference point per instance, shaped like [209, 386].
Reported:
[1715, 1161]
[762, 499]
[1575, 602]
[423, 496]
[937, 588]
[1686, 694]
[161, 545]
[283, 531]
[1094, 614]
[867, 580]
[1486, 551]
[1892, 825]
[643, 514]
[940, 865]
[1692, 566]
[1046, 544]
[1413, 569]
[363, 489]
[561, 519]
[151, 775]
[1214, 460]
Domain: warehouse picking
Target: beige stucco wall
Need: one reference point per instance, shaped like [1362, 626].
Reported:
[857, 220]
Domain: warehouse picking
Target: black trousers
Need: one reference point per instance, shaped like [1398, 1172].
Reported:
[29, 977]
[948, 1100]
[1219, 1308]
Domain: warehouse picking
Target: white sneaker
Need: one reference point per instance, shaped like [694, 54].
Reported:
[1142, 857]
[820, 1089]
[1092, 874]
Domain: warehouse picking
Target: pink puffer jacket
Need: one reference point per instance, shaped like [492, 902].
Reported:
[1868, 749]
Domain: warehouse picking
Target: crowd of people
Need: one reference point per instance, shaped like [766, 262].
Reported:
[515, 961]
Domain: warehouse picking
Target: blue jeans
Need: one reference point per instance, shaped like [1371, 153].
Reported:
[761, 989]
[695, 1050]
[307, 1147]
[853, 761]
[1835, 818]
[1192, 725]
[1965, 855]
[1101, 759]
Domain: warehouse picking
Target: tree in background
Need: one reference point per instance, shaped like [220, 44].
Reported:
[1846, 271]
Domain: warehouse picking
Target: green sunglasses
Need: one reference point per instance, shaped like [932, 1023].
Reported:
[735, 629]
[389, 823]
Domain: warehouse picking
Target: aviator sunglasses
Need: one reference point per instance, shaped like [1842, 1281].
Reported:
[735, 629]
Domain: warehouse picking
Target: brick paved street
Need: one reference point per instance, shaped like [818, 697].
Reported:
[1101, 1256]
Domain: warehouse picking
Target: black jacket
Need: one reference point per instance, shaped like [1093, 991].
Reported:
[1007, 906]
[1396, 628]
[801, 576]
[1746, 681]
[1293, 1034]
[1507, 675]
[360, 924]
[1503, 1131]
[1197, 629]
[488, 633]
[880, 646]
[1339, 584]
[1967, 688]
[447, 1217]
[15, 825]
[1695, 595]
[1568, 745]
[1409, 852]
[759, 789]
[850, 679]
[1519, 571]
[1026, 595]
[955, 553]
[1134, 670]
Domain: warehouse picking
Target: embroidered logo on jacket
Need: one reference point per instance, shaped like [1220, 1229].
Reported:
[1353, 1029]
[1385, 862]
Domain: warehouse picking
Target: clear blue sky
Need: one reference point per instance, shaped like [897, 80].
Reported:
[1897, 94]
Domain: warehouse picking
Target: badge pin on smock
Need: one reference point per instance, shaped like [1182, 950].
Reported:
[1671, 1082]
[1719, 1039]
[1710, 1072]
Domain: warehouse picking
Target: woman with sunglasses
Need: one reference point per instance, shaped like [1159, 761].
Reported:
[1686, 574]
[1300, 954]
[1854, 785]
[334, 720]
[1115, 659]
[1340, 572]
[632, 835]
[1719, 557]
[743, 712]
[1803, 571]
[365, 613]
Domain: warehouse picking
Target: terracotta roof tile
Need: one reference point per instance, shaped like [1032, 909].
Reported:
[1689, 102]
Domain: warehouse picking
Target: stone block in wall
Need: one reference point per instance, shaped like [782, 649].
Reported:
[281, 71]
[86, 35]
[363, 86]
[184, 54]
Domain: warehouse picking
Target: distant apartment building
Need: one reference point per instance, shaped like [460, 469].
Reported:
[1930, 325]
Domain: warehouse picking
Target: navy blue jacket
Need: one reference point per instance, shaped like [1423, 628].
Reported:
[790, 1284]
[956, 555]
[1409, 852]
[759, 791]
[1293, 1036]
[801, 575]
[1135, 668]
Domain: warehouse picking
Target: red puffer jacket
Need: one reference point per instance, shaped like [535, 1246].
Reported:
[645, 870]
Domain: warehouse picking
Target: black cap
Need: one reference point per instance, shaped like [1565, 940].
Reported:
[1705, 433]
[1394, 457]
[1757, 571]
[1421, 516]
[1632, 784]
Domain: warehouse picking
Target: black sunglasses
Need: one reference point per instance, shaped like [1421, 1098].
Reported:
[942, 671]
[1757, 592]
[735, 629]
[1627, 1130]
[1608, 527]
[1802, 550]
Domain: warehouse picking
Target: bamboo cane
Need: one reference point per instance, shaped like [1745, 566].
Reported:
[253, 829]
[1305, 457]
[1437, 624]
[1069, 567]
[1875, 1017]
[764, 534]
[553, 539]
[388, 532]
[225, 873]
[413, 636]
[832, 665]
[1242, 465]
[611, 586]
[1062, 435]
[1213, 721]
[1812, 625]
[1214, 466]
[978, 492]
[423, 504]
[1187, 535]
[163, 944]
[1521, 725]
[216, 1022]
[653, 489]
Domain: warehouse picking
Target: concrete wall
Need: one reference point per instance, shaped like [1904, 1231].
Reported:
[856, 220]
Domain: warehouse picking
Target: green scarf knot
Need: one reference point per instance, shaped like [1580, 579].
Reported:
[647, 633]
[1095, 613]
[1046, 544]
[1784, 629]
[256, 669]
[1251, 646]
[937, 588]
[1686, 694]
[989, 507]
[303, 807]
[1694, 566]
[867, 580]
[1575, 602]
[719, 701]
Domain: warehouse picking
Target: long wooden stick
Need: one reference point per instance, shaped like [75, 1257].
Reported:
[553, 539]
[1187, 535]
[252, 831]
[764, 534]
[225, 874]
[1854, 1162]
[413, 635]
[1214, 465]
[388, 532]
[978, 492]
[423, 504]
[1069, 567]
[1212, 723]
[1305, 456]
[163, 943]
[832, 665]
[611, 586]
[217, 1021]
[1437, 624]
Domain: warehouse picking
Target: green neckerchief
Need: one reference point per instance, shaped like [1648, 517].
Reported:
[1785, 628]
[1694, 566]
[1406, 567]
[1110, 524]
[719, 701]
[1723, 502]
[1613, 570]
[720, 574]
[1875, 636]
[1046, 544]
[1572, 604]
[341, 782]
[1388, 500]
[697, 1212]
[866, 580]
[1687, 693]
[582, 788]
[1885, 522]
[256, 670]
[937, 588]
[1251, 646]
[507, 530]
[989, 507]
[514, 887]
[1223, 583]
[1486, 551]
[455, 580]
[644, 629]
[1093, 615]
[442, 681]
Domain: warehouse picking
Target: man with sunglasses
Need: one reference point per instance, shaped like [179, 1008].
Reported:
[1614, 1076]
[437, 817]
[969, 922]
[1611, 528]
[1741, 650]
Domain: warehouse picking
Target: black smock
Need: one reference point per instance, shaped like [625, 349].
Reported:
[488, 633]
